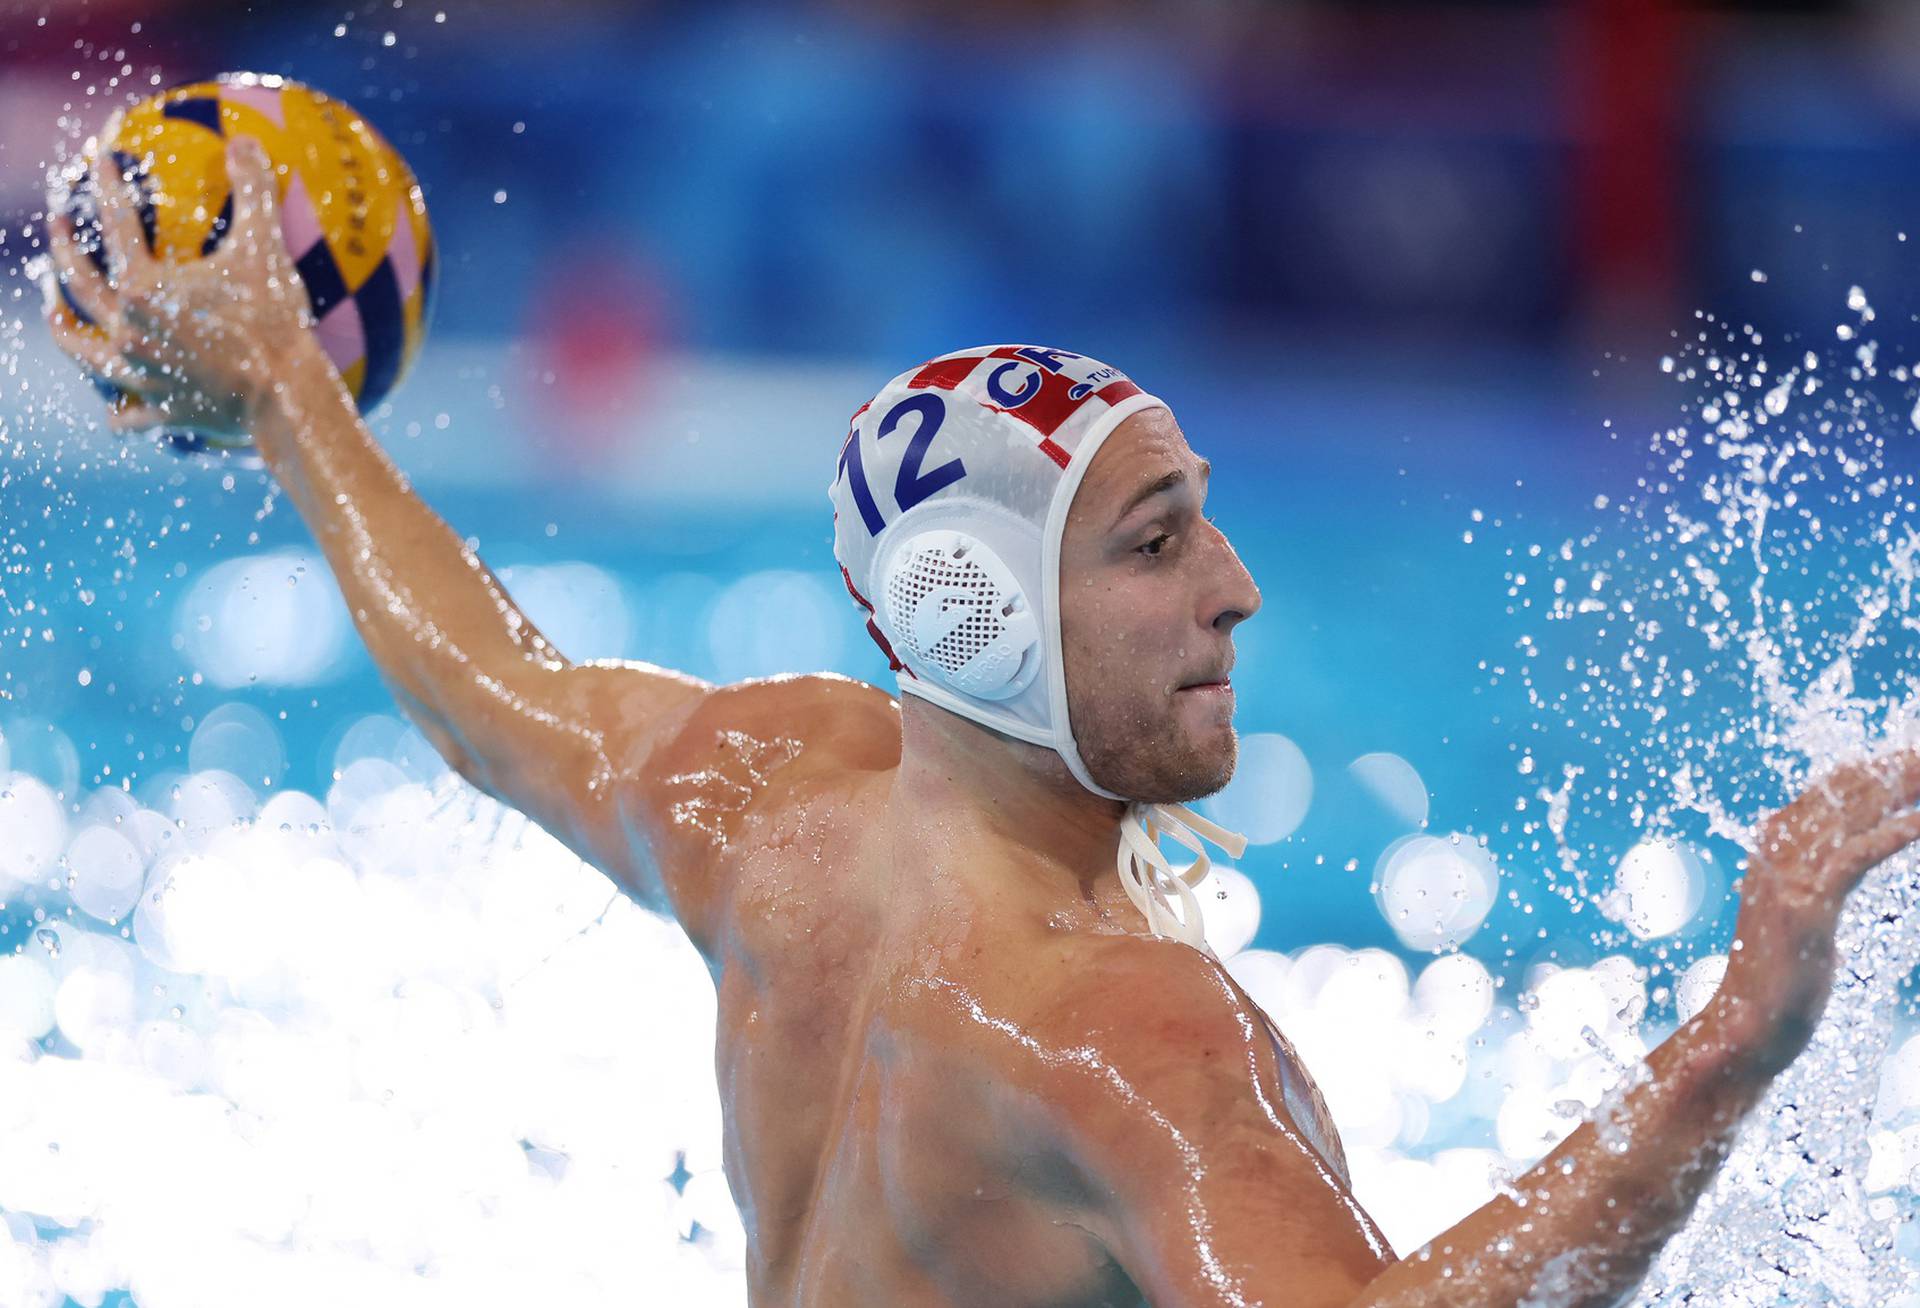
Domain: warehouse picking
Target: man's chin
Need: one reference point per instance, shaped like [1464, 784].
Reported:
[1219, 774]
[1195, 770]
[1211, 756]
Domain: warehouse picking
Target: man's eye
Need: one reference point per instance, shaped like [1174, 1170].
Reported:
[1153, 547]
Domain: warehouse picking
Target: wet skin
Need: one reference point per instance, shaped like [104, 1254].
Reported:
[926, 1051]
[955, 1069]
[941, 1086]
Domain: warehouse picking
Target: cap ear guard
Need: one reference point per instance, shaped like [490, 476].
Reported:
[957, 609]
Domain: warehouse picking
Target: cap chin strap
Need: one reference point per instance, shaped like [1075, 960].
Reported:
[1148, 877]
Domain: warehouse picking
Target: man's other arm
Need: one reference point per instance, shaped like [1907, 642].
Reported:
[1218, 1202]
[1214, 1195]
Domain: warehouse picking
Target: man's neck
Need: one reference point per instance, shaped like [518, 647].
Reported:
[953, 770]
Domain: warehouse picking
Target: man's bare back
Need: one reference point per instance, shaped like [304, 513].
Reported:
[954, 1070]
[893, 1026]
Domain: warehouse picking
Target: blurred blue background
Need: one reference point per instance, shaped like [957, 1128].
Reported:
[1404, 271]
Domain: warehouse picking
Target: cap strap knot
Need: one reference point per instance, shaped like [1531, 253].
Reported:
[1149, 878]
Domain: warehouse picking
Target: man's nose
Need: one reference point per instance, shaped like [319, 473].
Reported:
[1238, 598]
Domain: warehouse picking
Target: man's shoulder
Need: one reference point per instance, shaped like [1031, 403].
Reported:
[1145, 1064]
[704, 786]
[1161, 1012]
[823, 718]
[1084, 1015]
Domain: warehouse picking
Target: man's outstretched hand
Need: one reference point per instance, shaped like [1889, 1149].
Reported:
[1807, 859]
[192, 342]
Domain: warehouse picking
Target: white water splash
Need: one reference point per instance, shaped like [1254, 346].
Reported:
[1742, 624]
[397, 1048]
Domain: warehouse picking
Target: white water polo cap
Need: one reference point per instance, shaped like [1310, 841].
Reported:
[950, 498]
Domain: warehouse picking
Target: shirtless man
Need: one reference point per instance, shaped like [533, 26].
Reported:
[969, 1055]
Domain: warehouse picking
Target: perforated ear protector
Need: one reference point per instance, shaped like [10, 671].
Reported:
[957, 590]
[958, 610]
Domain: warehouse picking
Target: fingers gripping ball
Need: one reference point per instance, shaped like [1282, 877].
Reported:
[352, 212]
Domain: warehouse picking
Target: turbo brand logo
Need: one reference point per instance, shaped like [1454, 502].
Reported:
[1095, 380]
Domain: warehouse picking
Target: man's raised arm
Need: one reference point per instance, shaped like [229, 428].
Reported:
[220, 344]
[506, 709]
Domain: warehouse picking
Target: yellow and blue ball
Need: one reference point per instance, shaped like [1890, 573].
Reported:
[351, 210]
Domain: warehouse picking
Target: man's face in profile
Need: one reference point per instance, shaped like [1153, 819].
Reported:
[1150, 592]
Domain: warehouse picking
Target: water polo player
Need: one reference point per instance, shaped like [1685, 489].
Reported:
[972, 1047]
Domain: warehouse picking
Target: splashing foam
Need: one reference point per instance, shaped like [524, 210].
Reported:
[359, 1052]
[1754, 628]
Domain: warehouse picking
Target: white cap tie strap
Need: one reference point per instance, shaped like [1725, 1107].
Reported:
[1149, 878]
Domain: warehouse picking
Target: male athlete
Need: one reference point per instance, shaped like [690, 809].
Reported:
[972, 1047]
